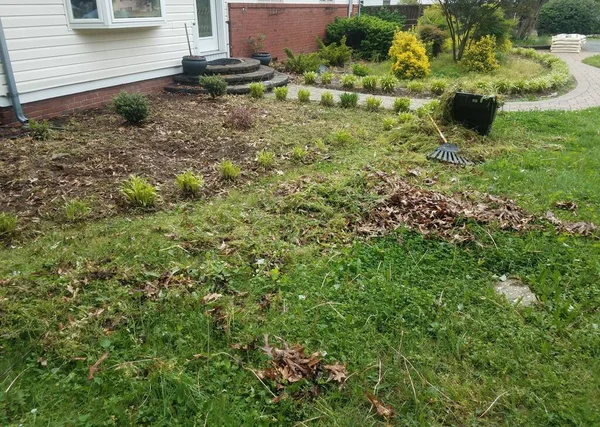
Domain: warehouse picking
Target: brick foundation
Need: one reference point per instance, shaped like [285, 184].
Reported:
[285, 25]
[64, 105]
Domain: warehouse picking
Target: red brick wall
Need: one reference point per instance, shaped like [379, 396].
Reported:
[285, 25]
[64, 105]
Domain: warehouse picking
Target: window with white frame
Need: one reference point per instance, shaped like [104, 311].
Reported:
[115, 13]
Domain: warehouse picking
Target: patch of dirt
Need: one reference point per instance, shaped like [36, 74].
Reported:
[91, 153]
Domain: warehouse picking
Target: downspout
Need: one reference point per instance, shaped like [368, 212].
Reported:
[10, 78]
[350, 8]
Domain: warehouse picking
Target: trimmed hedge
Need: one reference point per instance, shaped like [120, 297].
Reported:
[369, 37]
[569, 16]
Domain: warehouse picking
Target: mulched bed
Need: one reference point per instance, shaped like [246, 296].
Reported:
[93, 152]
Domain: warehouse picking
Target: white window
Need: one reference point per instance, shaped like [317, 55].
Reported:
[115, 13]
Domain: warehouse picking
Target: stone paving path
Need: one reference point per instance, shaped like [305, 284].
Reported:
[585, 95]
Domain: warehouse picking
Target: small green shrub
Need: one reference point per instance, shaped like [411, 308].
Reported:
[281, 93]
[326, 78]
[214, 85]
[229, 171]
[348, 81]
[303, 95]
[133, 107]
[388, 123]
[138, 192]
[333, 54]
[415, 87]
[266, 159]
[8, 225]
[310, 77]
[569, 16]
[369, 36]
[433, 38]
[438, 86]
[39, 130]
[360, 70]
[369, 83]
[388, 83]
[481, 56]
[257, 90]
[302, 62]
[401, 104]
[189, 183]
[409, 57]
[372, 103]
[299, 154]
[348, 100]
[405, 117]
[342, 137]
[327, 99]
[76, 210]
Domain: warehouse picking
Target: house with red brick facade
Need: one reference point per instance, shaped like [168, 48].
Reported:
[66, 55]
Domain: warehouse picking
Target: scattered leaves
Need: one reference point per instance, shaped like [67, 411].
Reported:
[211, 298]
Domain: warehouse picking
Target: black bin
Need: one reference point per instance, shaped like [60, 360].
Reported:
[475, 112]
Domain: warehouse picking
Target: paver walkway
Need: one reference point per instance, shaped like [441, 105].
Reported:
[585, 95]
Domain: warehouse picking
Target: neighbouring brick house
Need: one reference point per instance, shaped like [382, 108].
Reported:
[68, 55]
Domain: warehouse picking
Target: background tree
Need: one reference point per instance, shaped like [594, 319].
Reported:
[569, 16]
[464, 17]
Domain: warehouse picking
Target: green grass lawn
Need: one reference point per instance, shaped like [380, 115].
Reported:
[594, 61]
[415, 319]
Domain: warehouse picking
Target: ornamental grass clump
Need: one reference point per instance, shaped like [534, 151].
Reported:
[405, 117]
[137, 192]
[327, 99]
[229, 171]
[409, 56]
[360, 70]
[342, 137]
[348, 81]
[348, 100]
[133, 107]
[303, 95]
[438, 86]
[189, 183]
[8, 225]
[281, 93]
[388, 84]
[401, 104]
[266, 159]
[257, 90]
[310, 77]
[299, 154]
[326, 78]
[415, 87]
[388, 123]
[372, 103]
[369, 83]
[76, 210]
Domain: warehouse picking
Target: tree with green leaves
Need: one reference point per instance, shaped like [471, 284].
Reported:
[464, 17]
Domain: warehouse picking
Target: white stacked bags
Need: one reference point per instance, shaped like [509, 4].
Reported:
[567, 43]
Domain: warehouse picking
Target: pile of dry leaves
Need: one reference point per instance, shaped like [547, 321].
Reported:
[433, 213]
[289, 365]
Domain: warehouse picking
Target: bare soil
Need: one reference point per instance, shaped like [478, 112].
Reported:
[91, 153]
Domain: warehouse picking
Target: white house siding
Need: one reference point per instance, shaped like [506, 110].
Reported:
[50, 59]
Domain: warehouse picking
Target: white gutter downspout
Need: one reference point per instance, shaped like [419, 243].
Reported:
[350, 8]
[10, 78]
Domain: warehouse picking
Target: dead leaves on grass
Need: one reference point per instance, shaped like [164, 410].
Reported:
[94, 368]
[384, 411]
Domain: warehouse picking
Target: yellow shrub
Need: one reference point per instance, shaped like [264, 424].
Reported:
[409, 57]
[481, 56]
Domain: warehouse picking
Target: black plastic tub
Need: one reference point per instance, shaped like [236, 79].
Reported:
[475, 112]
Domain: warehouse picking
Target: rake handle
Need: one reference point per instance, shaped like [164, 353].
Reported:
[437, 128]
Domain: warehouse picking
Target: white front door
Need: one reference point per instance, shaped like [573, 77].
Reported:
[207, 26]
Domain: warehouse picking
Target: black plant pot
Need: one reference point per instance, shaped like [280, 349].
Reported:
[475, 112]
[263, 57]
[194, 65]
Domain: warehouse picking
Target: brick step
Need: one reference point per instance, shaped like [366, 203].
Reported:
[262, 74]
[278, 79]
[232, 66]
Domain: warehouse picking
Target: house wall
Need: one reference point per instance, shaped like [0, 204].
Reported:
[284, 24]
[50, 59]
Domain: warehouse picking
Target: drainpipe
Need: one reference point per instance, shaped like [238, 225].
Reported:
[10, 78]
[350, 8]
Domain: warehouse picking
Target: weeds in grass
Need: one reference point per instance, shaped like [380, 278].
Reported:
[229, 171]
[372, 103]
[299, 154]
[310, 77]
[214, 85]
[327, 99]
[133, 107]
[320, 145]
[326, 78]
[348, 100]
[39, 130]
[257, 90]
[266, 159]
[388, 123]
[388, 83]
[189, 183]
[8, 225]
[76, 210]
[303, 95]
[137, 192]
[348, 81]
[281, 93]
[401, 104]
